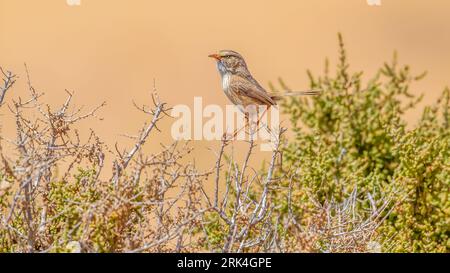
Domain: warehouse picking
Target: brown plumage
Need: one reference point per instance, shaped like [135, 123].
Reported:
[239, 85]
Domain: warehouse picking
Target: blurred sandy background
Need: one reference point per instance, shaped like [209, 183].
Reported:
[112, 50]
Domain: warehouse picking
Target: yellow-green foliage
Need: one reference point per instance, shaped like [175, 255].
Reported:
[69, 202]
[354, 136]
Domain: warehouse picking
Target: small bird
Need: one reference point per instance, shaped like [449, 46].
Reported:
[241, 88]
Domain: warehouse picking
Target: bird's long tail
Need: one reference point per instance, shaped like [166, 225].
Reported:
[280, 96]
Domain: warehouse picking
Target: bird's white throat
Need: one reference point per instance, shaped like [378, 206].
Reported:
[226, 81]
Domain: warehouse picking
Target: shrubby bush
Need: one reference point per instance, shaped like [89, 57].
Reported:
[354, 178]
[355, 136]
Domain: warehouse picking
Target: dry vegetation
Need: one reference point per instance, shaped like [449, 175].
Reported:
[158, 203]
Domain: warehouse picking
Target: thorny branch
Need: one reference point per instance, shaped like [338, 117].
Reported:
[157, 114]
[8, 79]
[53, 199]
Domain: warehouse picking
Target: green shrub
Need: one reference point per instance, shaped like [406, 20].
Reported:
[354, 136]
[354, 178]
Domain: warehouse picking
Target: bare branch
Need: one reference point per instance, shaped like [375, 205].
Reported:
[8, 81]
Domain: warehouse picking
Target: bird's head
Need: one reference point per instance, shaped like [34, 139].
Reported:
[229, 61]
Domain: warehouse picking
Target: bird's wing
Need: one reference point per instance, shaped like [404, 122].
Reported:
[249, 92]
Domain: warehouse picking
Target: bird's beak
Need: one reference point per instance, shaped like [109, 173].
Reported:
[215, 56]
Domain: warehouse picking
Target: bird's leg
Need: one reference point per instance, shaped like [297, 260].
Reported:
[236, 132]
[253, 124]
[247, 123]
[259, 117]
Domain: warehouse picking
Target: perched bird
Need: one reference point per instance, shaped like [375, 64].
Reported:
[239, 85]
